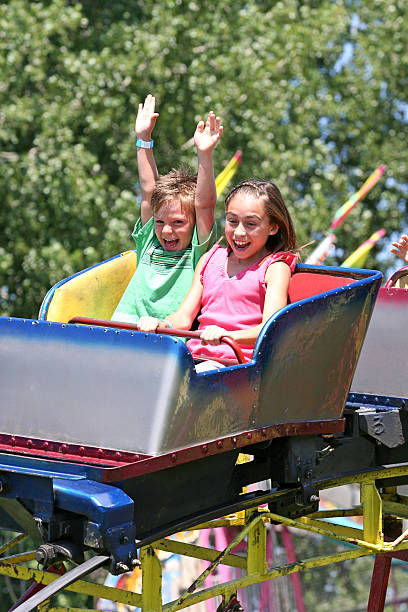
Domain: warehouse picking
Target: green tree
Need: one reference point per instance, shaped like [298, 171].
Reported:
[312, 91]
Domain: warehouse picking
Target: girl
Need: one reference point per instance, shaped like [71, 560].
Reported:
[238, 288]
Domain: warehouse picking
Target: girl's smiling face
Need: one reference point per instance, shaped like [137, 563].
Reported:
[248, 227]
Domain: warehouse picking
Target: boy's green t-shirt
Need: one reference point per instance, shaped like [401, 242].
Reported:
[162, 278]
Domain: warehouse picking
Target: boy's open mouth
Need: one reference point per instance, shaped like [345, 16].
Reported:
[170, 245]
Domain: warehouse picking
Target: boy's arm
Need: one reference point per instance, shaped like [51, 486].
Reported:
[187, 311]
[205, 138]
[148, 174]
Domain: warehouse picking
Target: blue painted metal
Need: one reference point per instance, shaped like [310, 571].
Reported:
[140, 393]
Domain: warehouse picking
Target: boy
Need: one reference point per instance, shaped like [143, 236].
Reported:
[176, 224]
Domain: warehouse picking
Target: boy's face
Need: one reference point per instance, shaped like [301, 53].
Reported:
[174, 226]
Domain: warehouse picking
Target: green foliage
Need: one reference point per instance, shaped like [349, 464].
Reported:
[311, 91]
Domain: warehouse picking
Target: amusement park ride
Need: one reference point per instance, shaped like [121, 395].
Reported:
[111, 441]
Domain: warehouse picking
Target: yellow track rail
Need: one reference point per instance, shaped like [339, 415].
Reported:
[375, 508]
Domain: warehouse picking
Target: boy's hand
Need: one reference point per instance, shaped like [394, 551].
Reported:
[146, 118]
[207, 135]
[148, 324]
[401, 248]
[213, 334]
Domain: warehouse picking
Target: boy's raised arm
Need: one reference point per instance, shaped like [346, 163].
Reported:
[148, 174]
[205, 138]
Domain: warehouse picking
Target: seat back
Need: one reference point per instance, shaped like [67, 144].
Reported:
[307, 284]
[94, 292]
[398, 279]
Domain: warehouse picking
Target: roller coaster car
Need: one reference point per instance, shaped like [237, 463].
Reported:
[111, 439]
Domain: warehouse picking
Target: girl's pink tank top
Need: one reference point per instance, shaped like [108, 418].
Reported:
[233, 302]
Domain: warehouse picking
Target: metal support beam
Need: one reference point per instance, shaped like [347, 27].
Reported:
[151, 580]
[379, 583]
[372, 513]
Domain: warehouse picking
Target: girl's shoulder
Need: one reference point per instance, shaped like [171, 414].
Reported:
[216, 254]
[288, 258]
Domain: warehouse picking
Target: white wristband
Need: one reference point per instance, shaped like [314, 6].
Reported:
[144, 144]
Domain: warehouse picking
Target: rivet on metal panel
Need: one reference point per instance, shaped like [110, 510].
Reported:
[219, 443]
[174, 457]
[204, 449]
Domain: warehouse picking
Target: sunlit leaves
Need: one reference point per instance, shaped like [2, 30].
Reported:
[312, 92]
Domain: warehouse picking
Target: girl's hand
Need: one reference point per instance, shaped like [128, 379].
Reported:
[146, 118]
[206, 136]
[213, 334]
[401, 248]
[148, 324]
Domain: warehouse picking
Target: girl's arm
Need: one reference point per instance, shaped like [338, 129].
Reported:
[277, 279]
[205, 138]
[148, 173]
[187, 311]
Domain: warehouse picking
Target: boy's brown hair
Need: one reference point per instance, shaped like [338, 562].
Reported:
[179, 185]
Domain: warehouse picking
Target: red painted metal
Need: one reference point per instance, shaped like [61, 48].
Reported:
[294, 578]
[180, 333]
[37, 586]
[395, 276]
[119, 465]
[379, 583]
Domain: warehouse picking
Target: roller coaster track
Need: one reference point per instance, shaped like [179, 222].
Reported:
[381, 509]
